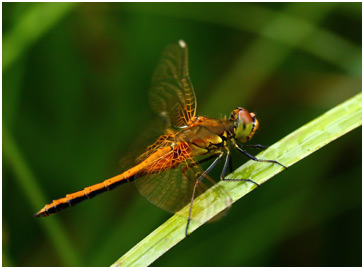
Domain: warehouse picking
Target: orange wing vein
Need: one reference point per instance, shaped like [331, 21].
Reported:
[171, 95]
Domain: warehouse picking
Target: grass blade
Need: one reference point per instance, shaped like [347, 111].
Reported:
[257, 17]
[28, 183]
[294, 147]
[34, 23]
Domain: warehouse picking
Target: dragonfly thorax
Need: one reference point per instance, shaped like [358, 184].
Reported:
[205, 136]
[245, 124]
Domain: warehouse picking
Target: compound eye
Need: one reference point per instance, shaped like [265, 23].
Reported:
[245, 117]
[246, 125]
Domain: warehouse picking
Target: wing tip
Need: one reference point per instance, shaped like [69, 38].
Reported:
[182, 43]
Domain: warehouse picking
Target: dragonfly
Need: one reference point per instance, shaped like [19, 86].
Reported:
[169, 172]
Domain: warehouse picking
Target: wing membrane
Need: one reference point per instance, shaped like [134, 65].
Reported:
[171, 94]
[171, 189]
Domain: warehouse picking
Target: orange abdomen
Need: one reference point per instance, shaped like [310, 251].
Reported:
[156, 162]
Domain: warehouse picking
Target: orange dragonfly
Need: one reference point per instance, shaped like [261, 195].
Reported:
[168, 174]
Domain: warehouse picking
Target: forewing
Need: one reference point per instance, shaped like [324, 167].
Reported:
[171, 94]
[144, 144]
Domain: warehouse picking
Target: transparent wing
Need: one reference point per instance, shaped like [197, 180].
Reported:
[169, 190]
[144, 144]
[171, 94]
[172, 189]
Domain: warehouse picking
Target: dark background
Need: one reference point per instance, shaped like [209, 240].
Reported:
[75, 84]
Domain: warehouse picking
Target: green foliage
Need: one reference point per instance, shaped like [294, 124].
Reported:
[34, 23]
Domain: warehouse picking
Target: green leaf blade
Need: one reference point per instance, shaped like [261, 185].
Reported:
[39, 19]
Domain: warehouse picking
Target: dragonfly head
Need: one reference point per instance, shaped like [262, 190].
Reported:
[245, 124]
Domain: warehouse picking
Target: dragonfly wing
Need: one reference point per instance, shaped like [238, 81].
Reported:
[169, 190]
[171, 94]
[172, 190]
[144, 144]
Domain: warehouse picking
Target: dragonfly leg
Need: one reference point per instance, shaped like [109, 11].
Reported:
[230, 163]
[222, 176]
[196, 184]
[197, 163]
[257, 146]
[250, 156]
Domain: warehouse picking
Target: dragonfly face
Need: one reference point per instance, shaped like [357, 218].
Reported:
[245, 124]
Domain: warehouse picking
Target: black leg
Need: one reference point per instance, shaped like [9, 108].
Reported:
[197, 182]
[230, 164]
[206, 159]
[257, 146]
[222, 176]
[197, 163]
[250, 156]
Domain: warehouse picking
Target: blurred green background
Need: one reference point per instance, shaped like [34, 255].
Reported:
[75, 96]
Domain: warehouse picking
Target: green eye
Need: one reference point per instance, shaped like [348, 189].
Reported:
[246, 125]
[243, 130]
